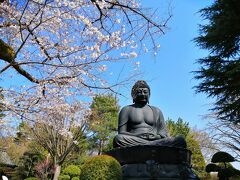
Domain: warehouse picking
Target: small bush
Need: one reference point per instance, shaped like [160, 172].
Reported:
[72, 171]
[64, 177]
[31, 178]
[101, 167]
[75, 178]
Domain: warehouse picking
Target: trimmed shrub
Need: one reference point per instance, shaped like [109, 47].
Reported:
[31, 178]
[101, 167]
[75, 178]
[72, 171]
[64, 177]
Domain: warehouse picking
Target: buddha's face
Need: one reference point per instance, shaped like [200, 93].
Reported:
[142, 95]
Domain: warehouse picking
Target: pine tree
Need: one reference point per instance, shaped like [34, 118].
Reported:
[103, 120]
[178, 128]
[220, 71]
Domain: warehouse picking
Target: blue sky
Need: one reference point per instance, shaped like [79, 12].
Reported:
[169, 72]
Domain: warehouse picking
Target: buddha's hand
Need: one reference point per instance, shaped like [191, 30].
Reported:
[156, 136]
[149, 136]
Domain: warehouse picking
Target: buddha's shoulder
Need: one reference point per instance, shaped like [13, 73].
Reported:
[156, 109]
[128, 108]
[125, 109]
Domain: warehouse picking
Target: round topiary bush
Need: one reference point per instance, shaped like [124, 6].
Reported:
[72, 171]
[64, 177]
[101, 167]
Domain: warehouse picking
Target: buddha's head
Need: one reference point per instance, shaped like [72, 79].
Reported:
[140, 92]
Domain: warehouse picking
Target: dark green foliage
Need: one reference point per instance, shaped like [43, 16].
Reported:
[222, 157]
[28, 161]
[222, 166]
[219, 72]
[64, 177]
[72, 171]
[212, 168]
[221, 35]
[101, 167]
[226, 172]
[103, 120]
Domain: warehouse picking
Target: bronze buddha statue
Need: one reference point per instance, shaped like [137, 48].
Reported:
[142, 124]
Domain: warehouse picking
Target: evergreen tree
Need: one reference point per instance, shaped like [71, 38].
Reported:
[182, 128]
[198, 162]
[219, 72]
[103, 120]
[23, 133]
[178, 128]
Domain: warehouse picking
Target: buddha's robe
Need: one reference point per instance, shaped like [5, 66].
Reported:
[155, 135]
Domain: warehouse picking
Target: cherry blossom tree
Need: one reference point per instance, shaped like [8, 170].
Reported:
[62, 129]
[65, 47]
[56, 53]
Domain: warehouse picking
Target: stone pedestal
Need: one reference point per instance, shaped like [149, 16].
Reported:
[154, 162]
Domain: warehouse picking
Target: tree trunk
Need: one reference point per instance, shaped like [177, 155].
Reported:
[57, 171]
[6, 53]
[100, 147]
